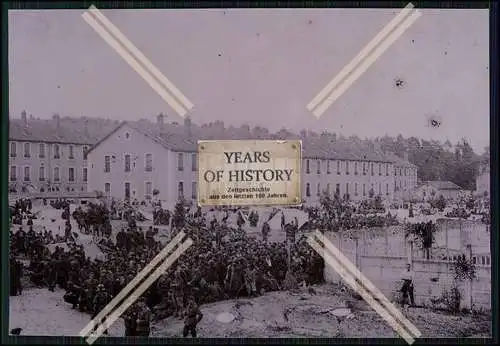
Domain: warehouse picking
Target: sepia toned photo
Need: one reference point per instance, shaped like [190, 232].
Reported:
[249, 173]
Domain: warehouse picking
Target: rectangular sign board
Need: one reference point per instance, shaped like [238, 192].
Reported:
[249, 172]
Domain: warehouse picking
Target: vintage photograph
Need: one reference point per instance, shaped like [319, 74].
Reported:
[389, 111]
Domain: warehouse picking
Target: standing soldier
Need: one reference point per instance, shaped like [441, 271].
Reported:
[143, 319]
[266, 229]
[194, 316]
[101, 299]
[16, 272]
[130, 319]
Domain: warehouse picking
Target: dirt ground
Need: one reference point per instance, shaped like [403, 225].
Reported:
[307, 314]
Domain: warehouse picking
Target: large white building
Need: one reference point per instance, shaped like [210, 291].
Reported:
[140, 157]
[50, 155]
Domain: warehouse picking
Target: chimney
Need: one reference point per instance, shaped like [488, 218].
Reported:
[24, 119]
[57, 120]
[187, 125]
[86, 128]
[160, 120]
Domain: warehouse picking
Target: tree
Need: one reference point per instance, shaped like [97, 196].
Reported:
[333, 214]
[423, 234]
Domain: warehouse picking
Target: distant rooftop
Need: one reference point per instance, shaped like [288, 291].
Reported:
[59, 129]
[184, 137]
[442, 185]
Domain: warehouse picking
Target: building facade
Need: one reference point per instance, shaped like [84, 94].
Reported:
[47, 155]
[430, 190]
[139, 158]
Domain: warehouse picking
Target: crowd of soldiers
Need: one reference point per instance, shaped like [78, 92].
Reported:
[223, 263]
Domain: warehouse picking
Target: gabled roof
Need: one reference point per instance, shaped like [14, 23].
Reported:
[175, 137]
[399, 161]
[442, 185]
[71, 130]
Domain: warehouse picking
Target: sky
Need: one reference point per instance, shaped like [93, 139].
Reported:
[260, 67]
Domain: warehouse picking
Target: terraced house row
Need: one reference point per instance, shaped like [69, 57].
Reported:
[138, 159]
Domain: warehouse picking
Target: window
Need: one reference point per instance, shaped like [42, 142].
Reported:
[71, 174]
[127, 163]
[180, 190]
[85, 175]
[41, 173]
[338, 167]
[71, 152]
[364, 168]
[346, 188]
[318, 167]
[308, 167]
[107, 188]
[41, 150]
[56, 174]
[27, 174]
[337, 189]
[85, 152]
[194, 163]
[149, 163]
[148, 189]
[13, 151]
[355, 168]
[387, 169]
[406, 172]
[347, 167]
[180, 162]
[328, 189]
[364, 189]
[371, 168]
[107, 164]
[318, 190]
[308, 189]
[127, 135]
[379, 169]
[328, 171]
[379, 188]
[27, 150]
[57, 154]
[13, 173]
[387, 189]
[355, 189]
[193, 190]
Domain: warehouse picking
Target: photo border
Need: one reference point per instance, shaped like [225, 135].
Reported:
[83, 5]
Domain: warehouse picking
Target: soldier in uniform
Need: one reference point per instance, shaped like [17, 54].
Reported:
[266, 229]
[72, 295]
[16, 272]
[143, 319]
[194, 316]
[130, 319]
[178, 286]
[100, 301]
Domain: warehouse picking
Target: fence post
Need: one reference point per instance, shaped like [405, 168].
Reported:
[469, 281]
[410, 253]
[357, 253]
[386, 235]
